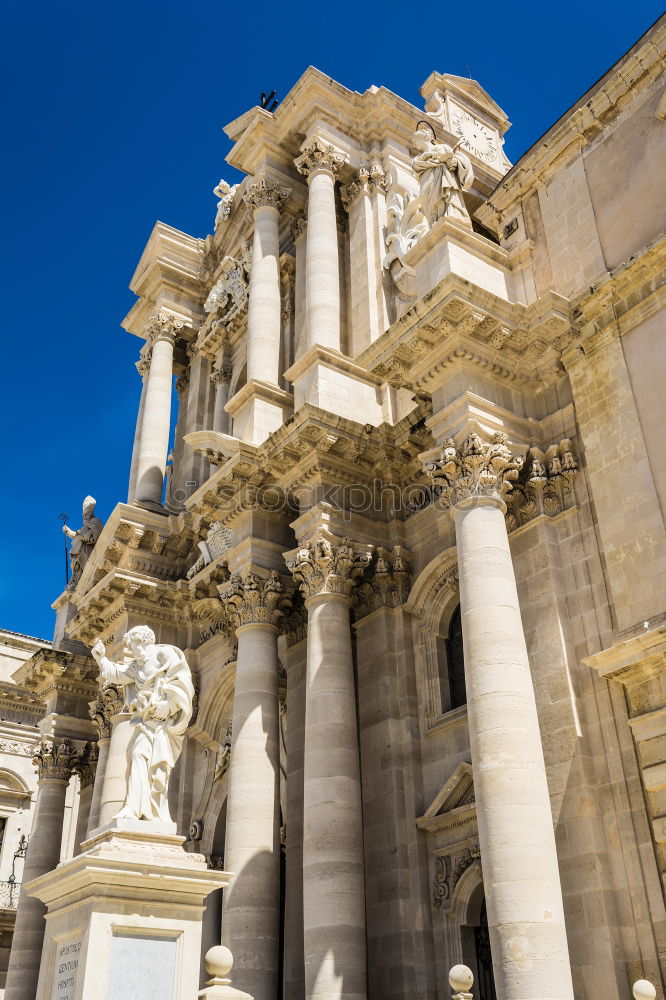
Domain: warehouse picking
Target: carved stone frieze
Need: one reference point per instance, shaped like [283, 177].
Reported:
[384, 585]
[477, 469]
[264, 192]
[318, 155]
[55, 759]
[320, 566]
[254, 600]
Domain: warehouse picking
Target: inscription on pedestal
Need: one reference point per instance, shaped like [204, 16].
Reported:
[67, 965]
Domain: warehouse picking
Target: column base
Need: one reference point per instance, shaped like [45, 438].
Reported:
[133, 900]
[258, 410]
[332, 381]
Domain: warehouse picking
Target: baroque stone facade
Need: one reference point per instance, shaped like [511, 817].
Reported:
[411, 539]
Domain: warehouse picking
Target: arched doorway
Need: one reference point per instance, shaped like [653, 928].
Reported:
[476, 946]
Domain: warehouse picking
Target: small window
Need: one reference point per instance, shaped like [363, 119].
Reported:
[452, 664]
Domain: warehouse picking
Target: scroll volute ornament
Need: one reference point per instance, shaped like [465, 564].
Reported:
[476, 469]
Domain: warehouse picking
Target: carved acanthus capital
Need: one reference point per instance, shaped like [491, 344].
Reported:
[298, 225]
[320, 566]
[475, 470]
[109, 702]
[350, 192]
[55, 759]
[221, 373]
[384, 585]
[318, 155]
[378, 179]
[295, 625]
[183, 382]
[254, 600]
[264, 192]
[143, 366]
[86, 765]
[162, 326]
[546, 485]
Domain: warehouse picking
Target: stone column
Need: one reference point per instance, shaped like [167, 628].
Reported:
[221, 377]
[143, 367]
[106, 704]
[55, 760]
[251, 906]
[267, 198]
[85, 767]
[156, 417]
[114, 784]
[320, 163]
[516, 836]
[333, 876]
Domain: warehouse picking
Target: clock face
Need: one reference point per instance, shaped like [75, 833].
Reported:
[476, 137]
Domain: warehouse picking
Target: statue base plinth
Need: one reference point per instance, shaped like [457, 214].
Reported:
[124, 916]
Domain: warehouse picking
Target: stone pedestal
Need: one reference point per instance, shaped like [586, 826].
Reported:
[124, 917]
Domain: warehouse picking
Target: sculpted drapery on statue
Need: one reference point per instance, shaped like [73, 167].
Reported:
[83, 540]
[444, 173]
[159, 696]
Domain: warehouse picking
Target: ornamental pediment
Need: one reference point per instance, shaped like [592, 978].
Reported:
[453, 804]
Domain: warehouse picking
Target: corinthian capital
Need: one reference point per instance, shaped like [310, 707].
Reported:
[162, 326]
[109, 702]
[318, 155]
[254, 600]
[475, 470]
[265, 192]
[321, 567]
[55, 759]
[86, 765]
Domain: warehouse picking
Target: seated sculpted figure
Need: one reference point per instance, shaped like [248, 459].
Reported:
[444, 173]
[159, 695]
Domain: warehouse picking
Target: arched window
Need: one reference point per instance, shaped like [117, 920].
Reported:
[451, 662]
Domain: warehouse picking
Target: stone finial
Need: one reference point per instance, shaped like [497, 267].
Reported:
[254, 600]
[264, 192]
[476, 469]
[318, 155]
[460, 981]
[219, 962]
[320, 566]
[55, 759]
[643, 990]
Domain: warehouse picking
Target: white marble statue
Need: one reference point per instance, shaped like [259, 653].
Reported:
[159, 695]
[226, 193]
[83, 540]
[444, 173]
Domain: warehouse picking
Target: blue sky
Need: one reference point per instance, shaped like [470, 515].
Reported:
[113, 120]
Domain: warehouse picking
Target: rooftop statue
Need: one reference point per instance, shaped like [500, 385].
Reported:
[83, 540]
[226, 193]
[444, 173]
[159, 695]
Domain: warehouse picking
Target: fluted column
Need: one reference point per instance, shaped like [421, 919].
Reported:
[55, 760]
[320, 163]
[333, 874]
[143, 367]
[85, 767]
[516, 836]
[156, 416]
[266, 197]
[251, 906]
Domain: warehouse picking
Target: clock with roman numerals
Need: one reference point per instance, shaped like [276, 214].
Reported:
[476, 137]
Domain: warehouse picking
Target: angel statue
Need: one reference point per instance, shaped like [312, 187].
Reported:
[159, 694]
[444, 173]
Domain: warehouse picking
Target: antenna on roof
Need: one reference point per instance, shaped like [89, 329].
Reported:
[469, 71]
[269, 102]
